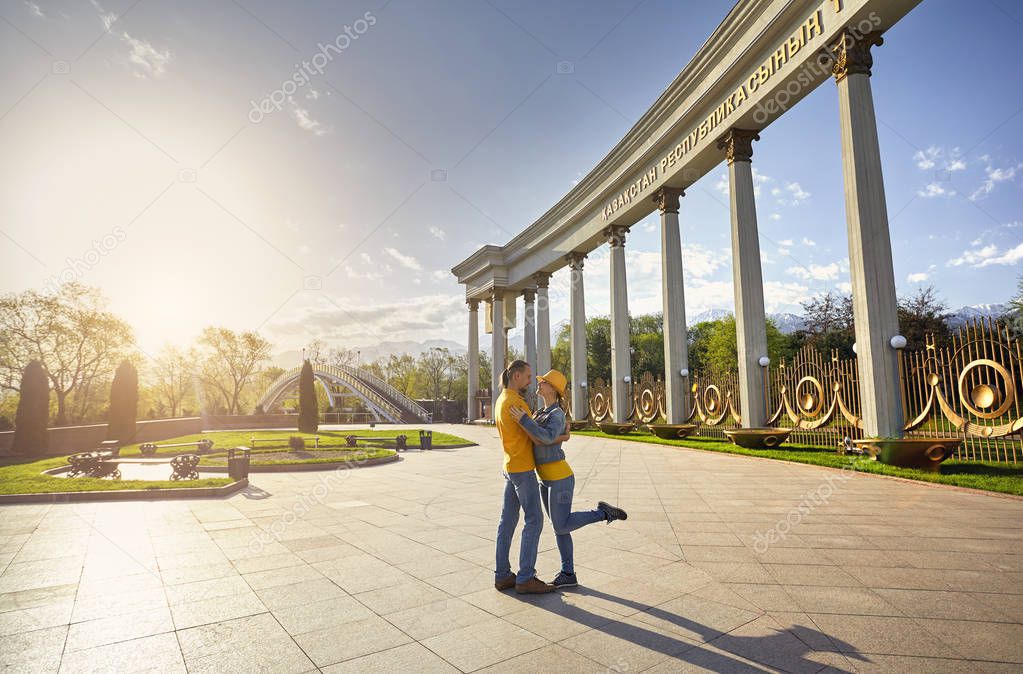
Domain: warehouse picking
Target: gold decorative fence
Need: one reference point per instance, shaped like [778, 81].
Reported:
[970, 389]
[816, 396]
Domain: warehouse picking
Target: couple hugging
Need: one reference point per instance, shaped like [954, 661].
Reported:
[533, 443]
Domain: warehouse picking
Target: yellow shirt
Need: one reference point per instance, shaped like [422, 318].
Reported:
[518, 448]
[555, 470]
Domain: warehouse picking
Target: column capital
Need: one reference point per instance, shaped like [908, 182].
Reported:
[615, 235]
[529, 295]
[738, 144]
[852, 53]
[496, 294]
[542, 279]
[666, 199]
[474, 305]
[575, 261]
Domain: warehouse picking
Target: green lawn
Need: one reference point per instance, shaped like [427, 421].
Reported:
[283, 457]
[24, 476]
[224, 440]
[989, 476]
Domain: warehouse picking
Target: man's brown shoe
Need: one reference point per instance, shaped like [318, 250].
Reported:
[506, 583]
[534, 586]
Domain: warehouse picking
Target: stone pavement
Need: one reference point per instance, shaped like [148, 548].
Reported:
[389, 569]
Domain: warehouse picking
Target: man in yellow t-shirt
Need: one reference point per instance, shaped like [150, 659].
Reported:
[521, 489]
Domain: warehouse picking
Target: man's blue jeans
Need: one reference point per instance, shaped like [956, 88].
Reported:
[521, 490]
[557, 501]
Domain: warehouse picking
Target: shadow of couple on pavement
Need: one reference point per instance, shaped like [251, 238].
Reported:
[786, 649]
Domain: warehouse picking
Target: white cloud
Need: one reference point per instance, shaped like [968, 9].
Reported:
[441, 275]
[362, 322]
[994, 176]
[809, 242]
[406, 261]
[815, 272]
[150, 61]
[437, 232]
[792, 195]
[926, 159]
[35, 10]
[721, 184]
[921, 276]
[775, 216]
[788, 243]
[367, 275]
[366, 258]
[844, 286]
[955, 165]
[987, 256]
[308, 123]
[935, 190]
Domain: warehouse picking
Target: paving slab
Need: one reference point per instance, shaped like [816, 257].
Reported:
[391, 570]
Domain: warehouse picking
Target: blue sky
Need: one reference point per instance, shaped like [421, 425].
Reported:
[133, 160]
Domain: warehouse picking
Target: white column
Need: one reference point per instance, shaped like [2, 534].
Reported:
[499, 347]
[747, 277]
[529, 337]
[543, 323]
[673, 296]
[621, 357]
[474, 358]
[580, 402]
[875, 308]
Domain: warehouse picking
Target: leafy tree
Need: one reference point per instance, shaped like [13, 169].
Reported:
[30, 421]
[308, 406]
[921, 314]
[124, 400]
[227, 362]
[71, 333]
[714, 345]
[173, 379]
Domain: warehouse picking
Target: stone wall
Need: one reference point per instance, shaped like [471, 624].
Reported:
[72, 439]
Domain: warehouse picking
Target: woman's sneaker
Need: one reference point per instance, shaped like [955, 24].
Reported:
[565, 580]
[612, 513]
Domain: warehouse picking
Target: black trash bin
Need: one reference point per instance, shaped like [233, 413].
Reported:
[238, 463]
[425, 439]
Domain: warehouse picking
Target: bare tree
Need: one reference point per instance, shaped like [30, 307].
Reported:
[71, 332]
[227, 361]
[340, 356]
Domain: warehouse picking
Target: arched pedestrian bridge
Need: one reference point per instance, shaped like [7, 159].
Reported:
[384, 401]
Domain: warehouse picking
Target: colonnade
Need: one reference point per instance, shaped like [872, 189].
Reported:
[871, 272]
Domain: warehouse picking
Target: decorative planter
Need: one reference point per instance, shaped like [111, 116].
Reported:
[612, 428]
[758, 438]
[669, 431]
[922, 453]
[579, 425]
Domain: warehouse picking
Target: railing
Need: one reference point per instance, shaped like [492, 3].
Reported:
[290, 377]
[970, 389]
[398, 396]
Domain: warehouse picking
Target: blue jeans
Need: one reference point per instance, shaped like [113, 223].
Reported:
[521, 490]
[557, 501]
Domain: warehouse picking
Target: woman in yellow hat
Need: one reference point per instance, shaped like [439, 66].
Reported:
[548, 428]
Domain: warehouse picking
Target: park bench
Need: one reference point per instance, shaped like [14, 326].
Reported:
[184, 467]
[149, 448]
